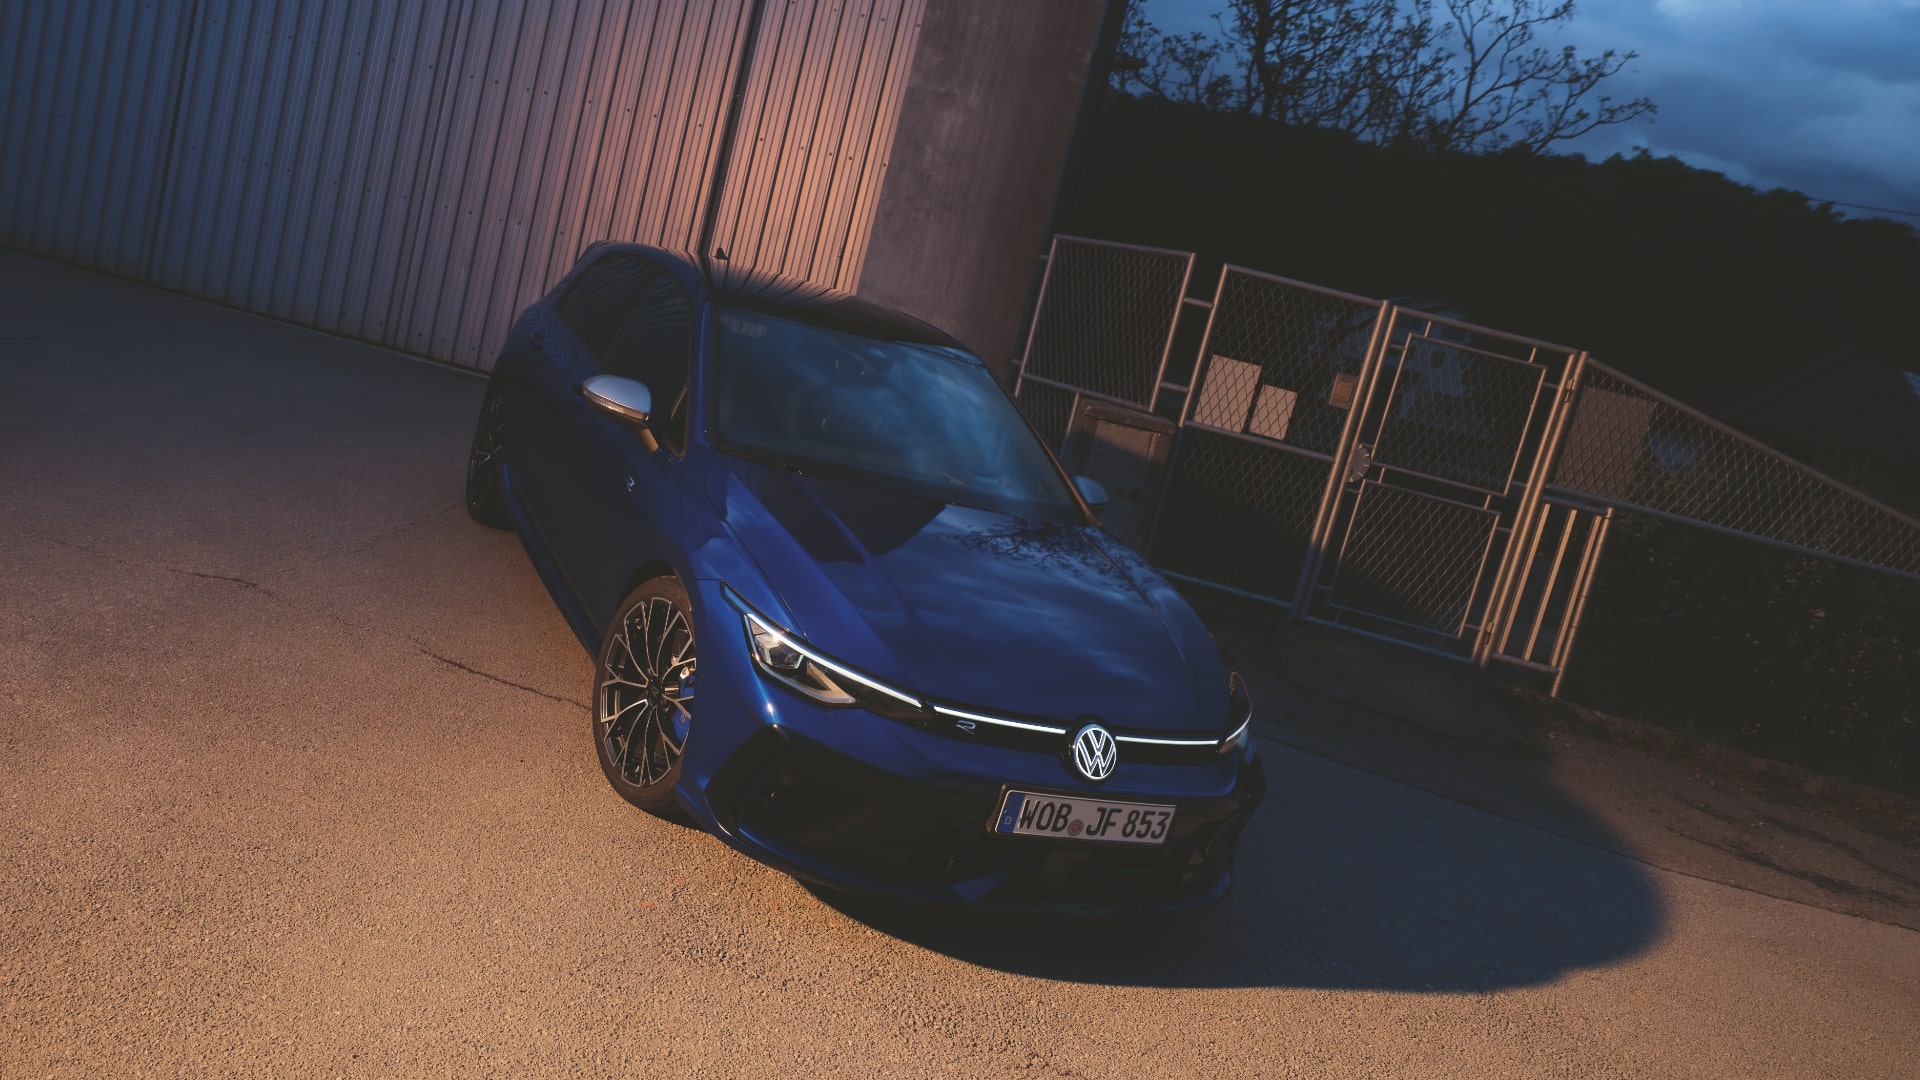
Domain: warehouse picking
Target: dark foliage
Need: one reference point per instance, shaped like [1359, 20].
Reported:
[1670, 273]
[1777, 654]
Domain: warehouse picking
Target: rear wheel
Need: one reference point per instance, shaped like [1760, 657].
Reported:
[486, 463]
[643, 694]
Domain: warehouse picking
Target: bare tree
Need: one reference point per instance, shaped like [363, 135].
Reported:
[1468, 76]
[1510, 91]
[1173, 67]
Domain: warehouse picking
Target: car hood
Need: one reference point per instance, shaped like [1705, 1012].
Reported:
[971, 607]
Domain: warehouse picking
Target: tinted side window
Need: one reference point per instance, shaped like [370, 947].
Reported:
[655, 346]
[595, 305]
[633, 319]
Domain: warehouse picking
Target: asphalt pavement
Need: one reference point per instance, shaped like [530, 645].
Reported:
[296, 779]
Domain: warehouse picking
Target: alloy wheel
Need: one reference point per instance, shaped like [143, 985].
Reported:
[645, 705]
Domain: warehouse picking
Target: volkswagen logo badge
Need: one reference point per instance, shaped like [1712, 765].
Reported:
[1093, 753]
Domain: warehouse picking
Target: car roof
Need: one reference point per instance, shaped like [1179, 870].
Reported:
[793, 298]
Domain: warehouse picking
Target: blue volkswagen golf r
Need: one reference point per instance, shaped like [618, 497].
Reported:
[849, 613]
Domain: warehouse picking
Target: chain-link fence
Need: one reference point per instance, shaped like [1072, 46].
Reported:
[1238, 514]
[1051, 410]
[1282, 360]
[1433, 593]
[1273, 393]
[1458, 414]
[1105, 319]
[1442, 473]
[1636, 448]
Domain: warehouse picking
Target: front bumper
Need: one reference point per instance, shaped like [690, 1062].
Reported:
[830, 818]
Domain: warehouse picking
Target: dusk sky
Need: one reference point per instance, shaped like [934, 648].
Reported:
[1822, 96]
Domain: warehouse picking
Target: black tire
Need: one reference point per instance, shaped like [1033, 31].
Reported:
[486, 463]
[643, 694]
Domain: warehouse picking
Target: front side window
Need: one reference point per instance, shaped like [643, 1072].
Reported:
[634, 320]
[923, 419]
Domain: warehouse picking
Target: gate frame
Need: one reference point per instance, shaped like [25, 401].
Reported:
[1506, 594]
[1503, 600]
[1503, 608]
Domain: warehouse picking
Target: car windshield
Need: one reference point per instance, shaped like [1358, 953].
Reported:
[924, 419]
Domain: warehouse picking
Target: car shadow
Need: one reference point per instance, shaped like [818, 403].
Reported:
[1345, 880]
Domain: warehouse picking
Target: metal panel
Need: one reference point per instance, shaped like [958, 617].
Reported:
[413, 172]
[809, 152]
[526, 138]
[416, 173]
[365, 265]
[86, 92]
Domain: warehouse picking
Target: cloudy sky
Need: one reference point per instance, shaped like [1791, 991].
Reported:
[1822, 96]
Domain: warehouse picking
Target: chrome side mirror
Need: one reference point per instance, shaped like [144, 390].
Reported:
[1091, 491]
[626, 400]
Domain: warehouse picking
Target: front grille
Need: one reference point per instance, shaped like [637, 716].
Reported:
[982, 730]
[810, 802]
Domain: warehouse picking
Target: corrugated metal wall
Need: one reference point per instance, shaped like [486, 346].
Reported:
[814, 131]
[87, 91]
[413, 172]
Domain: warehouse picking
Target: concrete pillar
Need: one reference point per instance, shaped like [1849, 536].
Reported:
[983, 135]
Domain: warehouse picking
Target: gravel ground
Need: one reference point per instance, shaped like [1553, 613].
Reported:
[295, 779]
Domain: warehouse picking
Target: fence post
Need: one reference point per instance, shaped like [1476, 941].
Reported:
[1033, 322]
[1504, 601]
[1186, 403]
[1317, 538]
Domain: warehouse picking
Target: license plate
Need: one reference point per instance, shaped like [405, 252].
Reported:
[1027, 813]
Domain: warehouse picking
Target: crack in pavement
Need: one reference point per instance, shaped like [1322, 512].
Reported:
[450, 662]
[215, 577]
[333, 616]
[146, 564]
[371, 541]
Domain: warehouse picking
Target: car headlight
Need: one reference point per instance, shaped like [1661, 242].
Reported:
[802, 668]
[1239, 714]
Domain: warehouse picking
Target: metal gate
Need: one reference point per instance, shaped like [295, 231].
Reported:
[1443, 472]
[1395, 473]
[1360, 464]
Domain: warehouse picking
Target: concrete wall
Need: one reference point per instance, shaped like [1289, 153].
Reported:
[977, 156]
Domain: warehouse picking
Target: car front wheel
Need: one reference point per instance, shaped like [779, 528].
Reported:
[643, 694]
